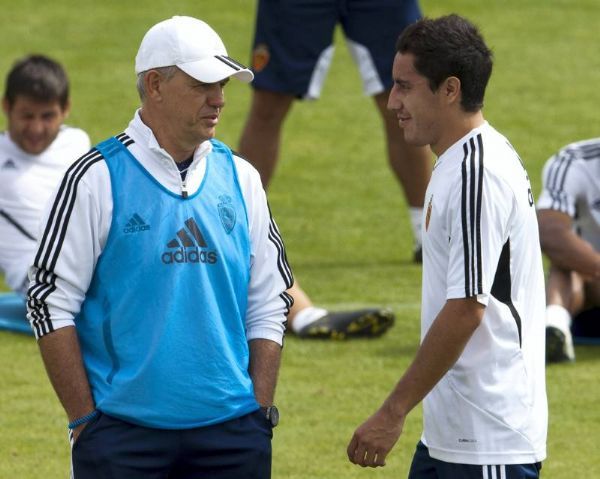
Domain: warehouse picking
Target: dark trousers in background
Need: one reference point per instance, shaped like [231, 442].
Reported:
[236, 449]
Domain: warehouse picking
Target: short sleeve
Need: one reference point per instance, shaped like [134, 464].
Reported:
[478, 221]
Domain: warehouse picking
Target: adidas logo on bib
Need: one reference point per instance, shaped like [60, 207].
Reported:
[186, 246]
[136, 224]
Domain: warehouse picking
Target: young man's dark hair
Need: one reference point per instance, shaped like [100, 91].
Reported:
[450, 46]
[39, 78]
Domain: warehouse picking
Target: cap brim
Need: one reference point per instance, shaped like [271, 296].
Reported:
[216, 69]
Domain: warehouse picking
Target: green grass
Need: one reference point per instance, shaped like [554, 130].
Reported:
[342, 215]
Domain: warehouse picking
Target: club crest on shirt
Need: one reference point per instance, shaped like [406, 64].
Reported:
[226, 213]
[260, 57]
[428, 214]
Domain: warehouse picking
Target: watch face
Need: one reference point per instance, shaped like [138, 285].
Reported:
[274, 415]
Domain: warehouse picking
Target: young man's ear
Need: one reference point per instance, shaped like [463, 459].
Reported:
[451, 89]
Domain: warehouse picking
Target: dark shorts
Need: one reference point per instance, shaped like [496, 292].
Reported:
[111, 448]
[290, 50]
[425, 467]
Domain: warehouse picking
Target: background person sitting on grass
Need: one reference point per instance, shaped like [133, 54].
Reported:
[569, 219]
[35, 151]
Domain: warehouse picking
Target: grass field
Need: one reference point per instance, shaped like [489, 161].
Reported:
[341, 212]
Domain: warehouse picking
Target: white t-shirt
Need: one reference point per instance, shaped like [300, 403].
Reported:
[480, 238]
[78, 229]
[27, 181]
[571, 184]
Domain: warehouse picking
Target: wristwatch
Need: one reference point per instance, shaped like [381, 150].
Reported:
[272, 414]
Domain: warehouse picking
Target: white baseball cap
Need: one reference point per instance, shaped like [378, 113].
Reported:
[192, 46]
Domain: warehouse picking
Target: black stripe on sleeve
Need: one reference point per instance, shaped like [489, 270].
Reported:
[463, 211]
[471, 204]
[282, 263]
[56, 227]
[472, 214]
[478, 220]
[51, 243]
[288, 300]
[557, 175]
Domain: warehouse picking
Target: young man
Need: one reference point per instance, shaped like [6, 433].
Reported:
[158, 288]
[569, 218]
[480, 367]
[292, 52]
[35, 151]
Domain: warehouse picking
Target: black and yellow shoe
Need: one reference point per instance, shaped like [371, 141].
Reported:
[364, 323]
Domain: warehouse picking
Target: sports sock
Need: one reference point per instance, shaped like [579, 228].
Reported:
[558, 317]
[307, 316]
[416, 217]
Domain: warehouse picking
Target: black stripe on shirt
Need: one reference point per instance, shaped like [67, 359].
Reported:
[471, 200]
[58, 221]
[282, 262]
[17, 225]
[556, 177]
[479, 201]
[125, 139]
[52, 240]
[589, 151]
[502, 286]
[288, 299]
[463, 211]
[472, 211]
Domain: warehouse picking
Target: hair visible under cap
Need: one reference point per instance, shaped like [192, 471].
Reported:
[166, 72]
[450, 46]
[39, 78]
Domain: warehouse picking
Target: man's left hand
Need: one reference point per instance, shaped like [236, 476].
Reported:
[374, 439]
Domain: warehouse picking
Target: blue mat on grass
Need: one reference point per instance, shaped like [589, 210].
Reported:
[13, 314]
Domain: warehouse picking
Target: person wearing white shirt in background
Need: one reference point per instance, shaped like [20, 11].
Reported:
[35, 151]
[569, 218]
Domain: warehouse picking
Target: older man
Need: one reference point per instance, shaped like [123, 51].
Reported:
[158, 289]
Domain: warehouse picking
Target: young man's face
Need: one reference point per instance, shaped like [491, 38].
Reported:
[34, 125]
[415, 105]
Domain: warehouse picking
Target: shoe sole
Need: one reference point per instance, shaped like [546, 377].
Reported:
[556, 346]
[370, 325]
